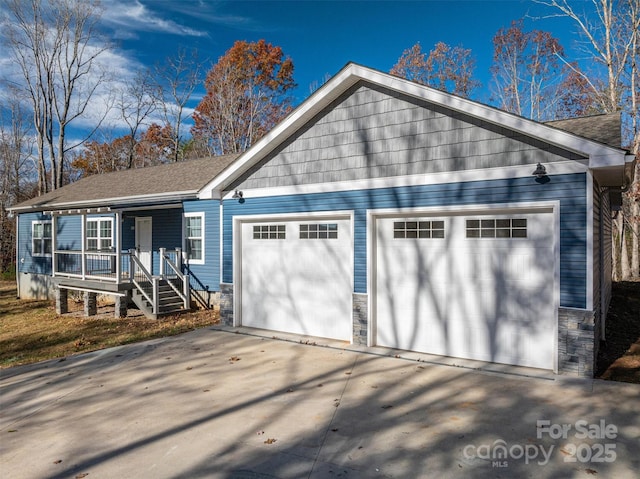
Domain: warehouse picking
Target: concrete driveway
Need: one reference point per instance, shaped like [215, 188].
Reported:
[214, 403]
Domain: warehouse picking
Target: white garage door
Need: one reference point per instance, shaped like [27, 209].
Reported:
[297, 276]
[470, 286]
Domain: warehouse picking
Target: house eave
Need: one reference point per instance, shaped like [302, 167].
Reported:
[115, 202]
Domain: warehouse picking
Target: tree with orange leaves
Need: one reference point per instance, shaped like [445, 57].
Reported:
[246, 96]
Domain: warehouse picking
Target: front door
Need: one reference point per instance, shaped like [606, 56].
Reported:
[143, 242]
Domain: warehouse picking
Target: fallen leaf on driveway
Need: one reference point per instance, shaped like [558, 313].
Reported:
[58, 461]
[591, 471]
[270, 441]
[388, 406]
[80, 476]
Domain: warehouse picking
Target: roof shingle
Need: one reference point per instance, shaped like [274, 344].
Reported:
[180, 178]
[606, 128]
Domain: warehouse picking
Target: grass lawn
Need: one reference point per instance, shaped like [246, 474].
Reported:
[31, 331]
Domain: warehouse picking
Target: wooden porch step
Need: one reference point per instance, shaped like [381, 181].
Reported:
[169, 301]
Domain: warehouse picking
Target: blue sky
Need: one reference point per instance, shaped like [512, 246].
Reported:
[321, 36]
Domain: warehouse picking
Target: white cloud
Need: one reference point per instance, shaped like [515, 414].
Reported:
[127, 18]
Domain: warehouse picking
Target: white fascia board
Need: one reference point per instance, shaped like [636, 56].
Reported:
[600, 155]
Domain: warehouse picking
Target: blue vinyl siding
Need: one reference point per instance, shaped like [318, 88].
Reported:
[166, 231]
[207, 274]
[569, 189]
[27, 263]
[69, 232]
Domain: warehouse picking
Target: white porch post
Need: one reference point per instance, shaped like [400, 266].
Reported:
[163, 252]
[186, 292]
[54, 244]
[156, 295]
[83, 246]
[179, 258]
[118, 238]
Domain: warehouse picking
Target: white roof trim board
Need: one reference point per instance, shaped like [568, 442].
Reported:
[601, 156]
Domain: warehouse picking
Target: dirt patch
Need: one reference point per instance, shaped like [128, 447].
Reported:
[619, 354]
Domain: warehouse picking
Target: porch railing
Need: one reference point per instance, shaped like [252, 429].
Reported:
[126, 267]
[97, 265]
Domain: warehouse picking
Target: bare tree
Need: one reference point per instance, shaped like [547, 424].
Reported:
[530, 80]
[135, 103]
[608, 40]
[16, 149]
[633, 21]
[446, 68]
[56, 47]
[176, 80]
[611, 39]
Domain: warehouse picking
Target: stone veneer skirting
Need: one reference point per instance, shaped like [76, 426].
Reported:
[578, 333]
[360, 318]
[578, 338]
[226, 304]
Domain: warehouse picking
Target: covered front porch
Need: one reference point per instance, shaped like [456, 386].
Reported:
[113, 252]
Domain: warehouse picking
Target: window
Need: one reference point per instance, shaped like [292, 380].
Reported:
[418, 229]
[41, 238]
[99, 233]
[319, 231]
[194, 237]
[269, 232]
[497, 228]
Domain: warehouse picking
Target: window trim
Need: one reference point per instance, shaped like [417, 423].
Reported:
[41, 239]
[99, 238]
[186, 238]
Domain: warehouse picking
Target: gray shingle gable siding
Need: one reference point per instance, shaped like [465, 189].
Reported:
[372, 132]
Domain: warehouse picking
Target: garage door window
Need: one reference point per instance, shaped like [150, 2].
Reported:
[497, 228]
[269, 232]
[418, 229]
[319, 231]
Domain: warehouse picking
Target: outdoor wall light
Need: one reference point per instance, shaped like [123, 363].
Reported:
[540, 171]
[237, 195]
